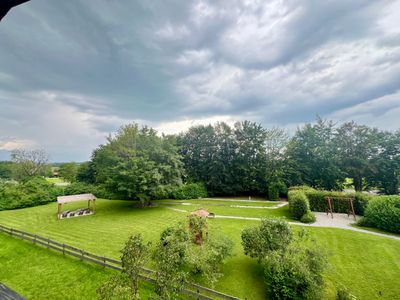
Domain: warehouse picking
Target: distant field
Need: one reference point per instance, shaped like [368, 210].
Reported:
[366, 264]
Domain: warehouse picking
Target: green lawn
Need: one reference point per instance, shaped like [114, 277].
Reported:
[55, 180]
[38, 273]
[222, 202]
[366, 264]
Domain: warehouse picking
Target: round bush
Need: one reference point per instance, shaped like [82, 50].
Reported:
[308, 217]
[384, 213]
[298, 204]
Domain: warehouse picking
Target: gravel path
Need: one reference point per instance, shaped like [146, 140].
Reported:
[341, 221]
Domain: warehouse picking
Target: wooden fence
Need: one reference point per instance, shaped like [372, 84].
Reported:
[193, 290]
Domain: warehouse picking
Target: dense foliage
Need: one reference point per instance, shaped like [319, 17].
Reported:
[35, 191]
[383, 213]
[296, 272]
[178, 255]
[230, 161]
[271, 235]
[68, 171]
[6, 168]
[189, 191]
[136, 163]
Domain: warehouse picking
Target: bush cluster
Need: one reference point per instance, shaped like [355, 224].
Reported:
[35, 191]
[189, 191]
[383, 212]
[293, 266]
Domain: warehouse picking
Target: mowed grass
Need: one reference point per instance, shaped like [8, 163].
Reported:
[55, 180]
[38, 273]
[218, 202]
[366, 264]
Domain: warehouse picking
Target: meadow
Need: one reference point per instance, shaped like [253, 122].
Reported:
[368, 265]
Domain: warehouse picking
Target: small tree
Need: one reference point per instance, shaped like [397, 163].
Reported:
[271, 235]
[133, 258]
[169, 258]
[126, 284]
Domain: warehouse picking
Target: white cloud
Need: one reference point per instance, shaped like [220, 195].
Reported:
[176, 127]
[10, 144]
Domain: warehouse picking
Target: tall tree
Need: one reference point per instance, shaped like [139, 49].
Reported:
[357, 146]
[29, 163]
[136, 162]
[386, 164]
[251, 159]
[313, 158]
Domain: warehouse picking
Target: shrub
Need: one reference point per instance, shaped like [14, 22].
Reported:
[189, 191]
[271, 235]
[35, 191]
[298, 204]
[295, 273]
[383, 212]
[308, 217]
[206, 259]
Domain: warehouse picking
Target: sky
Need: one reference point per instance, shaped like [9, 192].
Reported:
[72, 72]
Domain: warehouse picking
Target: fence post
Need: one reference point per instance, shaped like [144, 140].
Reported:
[63, 249]
[11, 231]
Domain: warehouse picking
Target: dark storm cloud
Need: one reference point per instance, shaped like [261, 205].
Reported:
[72, 71]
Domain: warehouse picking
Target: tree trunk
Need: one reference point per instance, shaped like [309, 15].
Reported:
[357, 181]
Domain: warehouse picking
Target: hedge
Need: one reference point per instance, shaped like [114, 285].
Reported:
[383, 212]
[189, 191]
[298, 204]
[36, 191]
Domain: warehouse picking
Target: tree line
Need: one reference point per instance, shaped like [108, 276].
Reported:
[243, 159]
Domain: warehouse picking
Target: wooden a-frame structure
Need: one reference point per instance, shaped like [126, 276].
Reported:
[90, 198]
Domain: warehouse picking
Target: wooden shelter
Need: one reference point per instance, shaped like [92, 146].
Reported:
[201, 213]
[91, 207]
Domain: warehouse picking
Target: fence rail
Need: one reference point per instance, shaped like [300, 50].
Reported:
[193, 290]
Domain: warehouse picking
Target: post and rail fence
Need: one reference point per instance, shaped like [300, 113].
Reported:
[193, 290]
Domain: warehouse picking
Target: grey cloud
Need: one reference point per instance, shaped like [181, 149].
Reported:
[86, 67]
